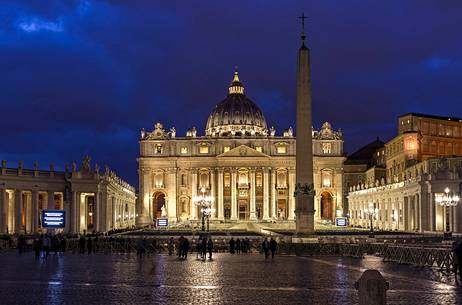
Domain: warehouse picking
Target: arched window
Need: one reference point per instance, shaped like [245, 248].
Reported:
[204, 180]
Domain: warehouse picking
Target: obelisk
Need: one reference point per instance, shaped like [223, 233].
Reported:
[304, 190]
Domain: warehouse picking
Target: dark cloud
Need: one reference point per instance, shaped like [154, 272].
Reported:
[82, 77]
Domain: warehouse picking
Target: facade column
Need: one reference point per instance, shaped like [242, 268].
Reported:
[291, 214]
[193, 194]
[265, 194]
[252, 196]
[233, 195]
[3, 210]
[172, 195]
[51, 200]
[103, 212]
[220, 194]
[213, 192]
[18, 205]
[35, 216]
[273, 194]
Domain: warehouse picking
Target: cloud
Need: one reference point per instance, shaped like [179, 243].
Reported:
[37, 24]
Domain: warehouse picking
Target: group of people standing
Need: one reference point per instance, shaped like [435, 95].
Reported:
[268, 246]
[45, 244]
[203, 246]
[88, 243]
[238, 245]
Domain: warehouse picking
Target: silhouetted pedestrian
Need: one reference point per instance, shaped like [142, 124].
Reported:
[171, 246]
[198, 248]
[37, 247]
[265, 247]
[210, 247]
[63, 244]
[185, 248]
[46, 245]
[204, 248]
[82, 244]
[232, 245]
[273, 246]
[89, 245]
[238, 246]
[458, 252]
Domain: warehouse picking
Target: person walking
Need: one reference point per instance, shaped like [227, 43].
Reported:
[273, 246]
[37, 247]
[82, 244]
[180, 246]
[198, 248]
[204, 248]
[458, 259]
[63, 244]
[210, 247]
[265, 246]
[89, 245]
[238, 246]
[232, 245]
[171, 246]
[185, 248]
[46, 245]
[140, 247]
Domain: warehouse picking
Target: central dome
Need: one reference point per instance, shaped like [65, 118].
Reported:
[236, 115]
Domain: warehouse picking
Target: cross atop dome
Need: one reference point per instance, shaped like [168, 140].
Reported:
[236, 87]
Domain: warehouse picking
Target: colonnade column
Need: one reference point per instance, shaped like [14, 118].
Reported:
[233, 195]
[291, 214]
[265, 194]
[97, 212]
[3, 210]
[75, 207]
[220, 194]
[35, 216]
[252, 195]
[18, 205]
[193, 194]
[273, 194]
[213, 192]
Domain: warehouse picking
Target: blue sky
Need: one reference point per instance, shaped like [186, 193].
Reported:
[83, 77]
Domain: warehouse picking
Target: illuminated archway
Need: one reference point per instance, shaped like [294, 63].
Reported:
[158, 201]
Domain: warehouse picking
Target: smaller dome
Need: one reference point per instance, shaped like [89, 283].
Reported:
[236, 115]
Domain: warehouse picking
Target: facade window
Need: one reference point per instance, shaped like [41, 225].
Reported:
[204, 180]
[243, 179]
[203, 149]
[158, 180]
[326, 148]
[281, 149]
[158, 148]
[184, 150]
[259, 148]
[226, 149]
[259, 180]
[227, 179]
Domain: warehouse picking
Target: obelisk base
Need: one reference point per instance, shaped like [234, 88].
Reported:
[304, 216]
[143, 221]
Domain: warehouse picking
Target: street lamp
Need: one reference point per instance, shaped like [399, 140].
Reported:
[372, 213]
[205, 202]
[446, 200]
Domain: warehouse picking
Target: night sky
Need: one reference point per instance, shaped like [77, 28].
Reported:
[83, 77]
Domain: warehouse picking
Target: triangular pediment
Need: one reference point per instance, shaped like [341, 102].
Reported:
[243, 151]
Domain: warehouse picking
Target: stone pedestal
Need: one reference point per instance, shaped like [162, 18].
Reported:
[304, 215]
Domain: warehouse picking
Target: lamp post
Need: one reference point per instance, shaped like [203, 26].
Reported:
[372, 213]
[447, 201]
[205, 202]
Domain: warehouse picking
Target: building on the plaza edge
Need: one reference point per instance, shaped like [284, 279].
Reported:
[421, 162]
[92, 201]
[243, 164]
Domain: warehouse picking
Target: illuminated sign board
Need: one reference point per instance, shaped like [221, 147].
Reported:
[162, 222]
[341, 221]
[53, 219]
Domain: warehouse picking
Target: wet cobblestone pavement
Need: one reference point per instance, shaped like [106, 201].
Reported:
[228, 279]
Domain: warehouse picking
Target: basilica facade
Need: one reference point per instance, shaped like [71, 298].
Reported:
[246, 167]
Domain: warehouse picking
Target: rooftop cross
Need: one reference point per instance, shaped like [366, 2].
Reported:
[303, 17]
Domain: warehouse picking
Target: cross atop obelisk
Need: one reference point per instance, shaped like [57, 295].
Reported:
[304, 190]
[302, 18]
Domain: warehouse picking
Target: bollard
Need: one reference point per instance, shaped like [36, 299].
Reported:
[372, 288]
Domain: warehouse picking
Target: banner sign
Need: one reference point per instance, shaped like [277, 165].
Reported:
[162, 222]
[341, 221]
[53, 219]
